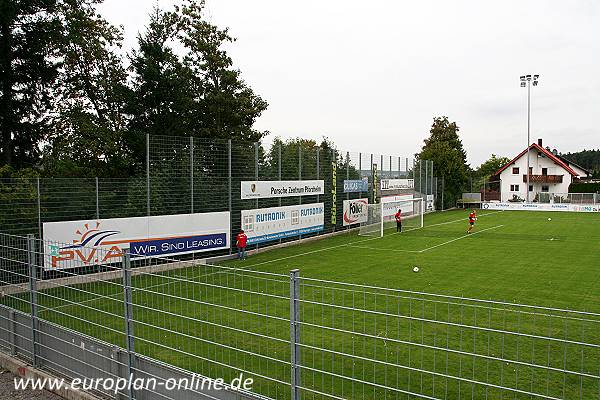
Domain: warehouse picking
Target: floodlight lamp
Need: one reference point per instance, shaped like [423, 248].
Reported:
[535, 83]
[528, 77]
[523, 84]
[535, 77]
[523, 77]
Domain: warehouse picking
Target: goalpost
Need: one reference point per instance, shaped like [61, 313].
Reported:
[381, 219]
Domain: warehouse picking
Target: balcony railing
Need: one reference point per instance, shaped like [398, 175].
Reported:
[543, 178]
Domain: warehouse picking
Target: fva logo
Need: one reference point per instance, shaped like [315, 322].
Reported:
[87, 249]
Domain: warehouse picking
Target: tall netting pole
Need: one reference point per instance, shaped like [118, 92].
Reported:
[191, 174]
[148, 174]
[230, 188]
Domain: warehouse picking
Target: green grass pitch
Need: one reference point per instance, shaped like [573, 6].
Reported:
[512, 255]
[190, 317]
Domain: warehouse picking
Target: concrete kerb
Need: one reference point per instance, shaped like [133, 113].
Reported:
[25, 371]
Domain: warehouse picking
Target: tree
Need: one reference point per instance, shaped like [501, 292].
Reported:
[589, 159]
[226, 106]
[487, 169]
[162, 101]
[87, 135]
[445, 149]
[30, 33]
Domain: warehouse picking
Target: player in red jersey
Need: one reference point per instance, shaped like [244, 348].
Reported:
[472, 219]
[398, 217]
[240, 242]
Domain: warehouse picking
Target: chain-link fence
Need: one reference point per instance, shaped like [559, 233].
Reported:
[197, 175]
[296, 337]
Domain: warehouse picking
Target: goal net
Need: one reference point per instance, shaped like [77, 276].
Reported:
[382, 221]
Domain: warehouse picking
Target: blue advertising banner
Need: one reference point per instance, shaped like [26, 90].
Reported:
[355, 186]
[179, 245]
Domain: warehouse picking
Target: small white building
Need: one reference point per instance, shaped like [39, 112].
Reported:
[548, 173]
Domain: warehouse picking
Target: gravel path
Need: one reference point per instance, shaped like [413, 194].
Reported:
[8, 391]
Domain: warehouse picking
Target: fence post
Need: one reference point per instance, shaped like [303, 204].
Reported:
[148, 173]
[13, 332]
[33, 297]
[360, 171]
[319, 169]
[372, 180]
[347, 172]
[97, 200]
[129, 335]
[39, 207]
[420, 176]
[229, 191]
[192, 174]
[256, 174]
[333, 185]
[279, 171]
[442, 193]
[295, 332]
[300, 174]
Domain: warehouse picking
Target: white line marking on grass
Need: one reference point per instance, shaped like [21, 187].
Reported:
[459, 238]
[461, 220]
[384, 249]
[351, 244]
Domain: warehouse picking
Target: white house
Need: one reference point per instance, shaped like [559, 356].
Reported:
[548, 173]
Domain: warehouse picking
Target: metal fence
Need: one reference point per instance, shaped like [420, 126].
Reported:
[183, 175]
[568, 198]
[297, 337]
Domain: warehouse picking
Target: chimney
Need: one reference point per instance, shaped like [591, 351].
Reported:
[540, 142]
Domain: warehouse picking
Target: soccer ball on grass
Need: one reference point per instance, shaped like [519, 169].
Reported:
[549, 219]
[415, 269]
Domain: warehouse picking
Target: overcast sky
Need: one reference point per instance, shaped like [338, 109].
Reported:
[371, 75]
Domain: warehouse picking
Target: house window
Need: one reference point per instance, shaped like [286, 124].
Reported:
[515, 170]
[514, 188]
[530, 170]
[545, 188]
[544, 171]
[531, 188]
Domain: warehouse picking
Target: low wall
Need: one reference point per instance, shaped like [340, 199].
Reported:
[69, 354]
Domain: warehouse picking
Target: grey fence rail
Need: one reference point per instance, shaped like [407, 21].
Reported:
[180, 175]
[296, 337]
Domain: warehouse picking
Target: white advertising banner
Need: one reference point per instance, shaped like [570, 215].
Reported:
[430, 203]
[356, 211]
[541, 207]
[269, 189]
[274, 223]
[74, 244]
[397, 184]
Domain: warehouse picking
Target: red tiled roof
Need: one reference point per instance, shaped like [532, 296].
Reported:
[546, 153]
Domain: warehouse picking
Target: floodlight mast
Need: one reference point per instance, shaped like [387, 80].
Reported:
[526, 82]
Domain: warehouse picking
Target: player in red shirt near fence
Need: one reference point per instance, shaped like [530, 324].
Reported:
[472, 219]
[398, 216]
[240, 242]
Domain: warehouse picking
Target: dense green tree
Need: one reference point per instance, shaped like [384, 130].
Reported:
[30, 37]
[489, 167]
[445, 149]
[589, 159]
[87, 135]
[226, 106]
[162, 101]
